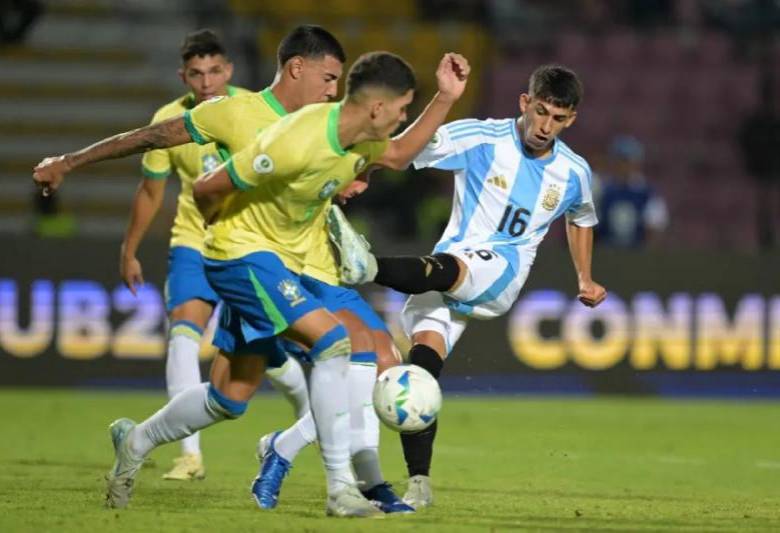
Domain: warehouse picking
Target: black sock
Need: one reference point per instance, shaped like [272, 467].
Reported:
[418, 447]
[418, 450]
[416, 275]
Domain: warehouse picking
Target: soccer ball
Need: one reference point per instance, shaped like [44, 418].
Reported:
[407, 398]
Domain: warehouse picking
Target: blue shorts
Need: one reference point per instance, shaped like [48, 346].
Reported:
[230, 338]
[337, 298]
[261, 298]
[186, 278]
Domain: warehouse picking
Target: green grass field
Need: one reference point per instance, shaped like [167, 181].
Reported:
[533, 464]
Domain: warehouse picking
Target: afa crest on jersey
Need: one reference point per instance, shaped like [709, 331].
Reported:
[210, 162]
[435, 141]
[291, 292]
[328, 189]
[551, 198]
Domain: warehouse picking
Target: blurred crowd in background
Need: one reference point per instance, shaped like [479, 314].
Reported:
[680, 119]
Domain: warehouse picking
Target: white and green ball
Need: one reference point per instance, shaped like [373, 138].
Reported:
[407, 398]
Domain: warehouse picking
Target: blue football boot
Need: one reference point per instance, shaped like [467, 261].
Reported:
[266, 486]
[383, 497]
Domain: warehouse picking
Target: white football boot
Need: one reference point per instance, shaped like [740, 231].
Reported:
[120, 479]
[419, 493]
[358, 264]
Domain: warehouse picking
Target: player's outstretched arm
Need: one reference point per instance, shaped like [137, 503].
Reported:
[451, 77]
[146, 203]
[210, 190]
[581, 249]
[50, 172]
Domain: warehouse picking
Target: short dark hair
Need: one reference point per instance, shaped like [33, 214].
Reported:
[201, 43]
[380, 69]
[557, 85]
[309, 41]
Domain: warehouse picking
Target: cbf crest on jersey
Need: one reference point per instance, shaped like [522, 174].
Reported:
[328, 189]
[291, 292]
[359, 165]
[210, 162]
[551, 197]
[263, 164]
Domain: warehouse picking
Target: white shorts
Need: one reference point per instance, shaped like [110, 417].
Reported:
[492, 283]
[428, 312]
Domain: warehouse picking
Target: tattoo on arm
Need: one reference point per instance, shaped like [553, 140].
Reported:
[165, 134]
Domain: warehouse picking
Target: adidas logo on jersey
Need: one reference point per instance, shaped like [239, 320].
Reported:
[498, 181]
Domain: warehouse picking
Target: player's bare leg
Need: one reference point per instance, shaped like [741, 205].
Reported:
[387, 353]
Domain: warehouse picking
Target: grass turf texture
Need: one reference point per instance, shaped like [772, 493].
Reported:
[534, 464]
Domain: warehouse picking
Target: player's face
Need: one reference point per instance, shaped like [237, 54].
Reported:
[207, 76]
[542, 122]
[320, 79]
[391, 113]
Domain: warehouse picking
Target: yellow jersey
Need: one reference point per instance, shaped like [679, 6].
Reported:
[233, 123]
[286, 179]
[188, 161]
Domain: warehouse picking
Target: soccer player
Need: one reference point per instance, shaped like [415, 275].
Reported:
[123, 473]
[262, 236]
[206, 72]
[513, 177]
[309, 65]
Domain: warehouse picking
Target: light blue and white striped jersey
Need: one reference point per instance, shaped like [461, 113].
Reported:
[505, 200]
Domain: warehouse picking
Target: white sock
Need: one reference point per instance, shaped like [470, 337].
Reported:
[182, 371]
[290, 380]
[330, 407]
[364, 426]
[297, 437]
[188, 412]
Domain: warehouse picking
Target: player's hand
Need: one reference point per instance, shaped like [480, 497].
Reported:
[591, 293]
[131, 273]
[356, 188]
[451, 76]
[49, 173]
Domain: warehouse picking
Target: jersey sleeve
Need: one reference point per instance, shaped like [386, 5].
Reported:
[449, 147]
[376, 150]
[268, 157]
[211, 120]
[156, 164]
[582, 212]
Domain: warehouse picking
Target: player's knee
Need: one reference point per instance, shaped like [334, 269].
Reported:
[335, 343]
[387, 354]
[447, 273]
[428, 358]
[360, 336]
[223, 405]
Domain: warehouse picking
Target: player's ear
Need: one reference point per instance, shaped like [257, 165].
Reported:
[376, 107]
[295, 67]
[229, 70]
[571, 119]
[524, 100]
